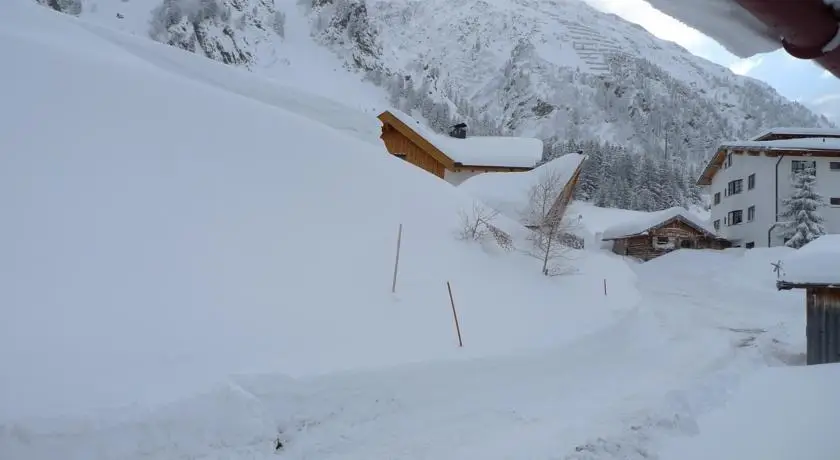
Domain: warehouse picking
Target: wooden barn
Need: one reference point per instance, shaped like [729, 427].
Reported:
[457, 156]
[816, 268]
[660, 233]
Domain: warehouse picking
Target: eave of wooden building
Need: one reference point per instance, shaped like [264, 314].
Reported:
[390, 121]
[664, 224]
[786, 286]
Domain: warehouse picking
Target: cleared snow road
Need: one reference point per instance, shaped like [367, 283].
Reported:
[612, 394]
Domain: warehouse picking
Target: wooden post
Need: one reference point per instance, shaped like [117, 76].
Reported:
[457, 326]
[397, 261]
[605, 286]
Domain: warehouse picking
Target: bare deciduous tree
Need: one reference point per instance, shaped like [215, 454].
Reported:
[548, 225]
[477, 225]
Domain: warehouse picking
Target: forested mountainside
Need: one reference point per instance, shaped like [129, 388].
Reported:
[555, 69]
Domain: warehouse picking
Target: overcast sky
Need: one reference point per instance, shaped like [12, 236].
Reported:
[795, 79]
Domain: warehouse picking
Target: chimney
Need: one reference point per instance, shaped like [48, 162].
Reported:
[458, 131]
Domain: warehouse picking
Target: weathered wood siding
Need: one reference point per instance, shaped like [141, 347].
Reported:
[399, 145]
[680, 235]
[562, 202]
[823, 325]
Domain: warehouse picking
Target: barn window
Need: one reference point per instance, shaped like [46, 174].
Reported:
[750, 245]
[662, 240]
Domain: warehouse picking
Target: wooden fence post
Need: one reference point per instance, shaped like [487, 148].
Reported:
[397, 261]
[457, 326]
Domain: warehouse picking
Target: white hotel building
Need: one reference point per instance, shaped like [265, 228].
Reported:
[748, 181]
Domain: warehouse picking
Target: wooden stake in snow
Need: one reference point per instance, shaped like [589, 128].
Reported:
[397, 262]
[457, 327]
[605, 286]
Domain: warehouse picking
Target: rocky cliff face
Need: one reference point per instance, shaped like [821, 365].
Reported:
[230, 31]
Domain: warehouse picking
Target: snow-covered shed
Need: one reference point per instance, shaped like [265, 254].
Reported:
[652, 235]
[511, 194]
[815, 267]
[457, 156]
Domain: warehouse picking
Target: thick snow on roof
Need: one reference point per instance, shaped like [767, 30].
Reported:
[818, 262]
[808, 143]
[521, 152]
[724, 21]
[508, 192]
[800, 131]
[640, 224]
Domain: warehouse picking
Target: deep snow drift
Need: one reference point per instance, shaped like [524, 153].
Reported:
[162, 233]
[198, 267]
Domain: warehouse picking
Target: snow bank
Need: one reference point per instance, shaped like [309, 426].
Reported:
[520, 152]
[778, 414]
[641, 224]
[508, 192]
[818, 262]
[724, 21]
[161, 233]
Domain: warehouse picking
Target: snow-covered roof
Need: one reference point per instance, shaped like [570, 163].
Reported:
[815, 132]
[508, 193]
[521, 152]
[639, 225]
[816, 263]
[726, 22]
[825, 146]
[805, 143]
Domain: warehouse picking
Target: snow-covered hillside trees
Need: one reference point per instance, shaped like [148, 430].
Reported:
[803, 222]
[614, 177]
[73, 7]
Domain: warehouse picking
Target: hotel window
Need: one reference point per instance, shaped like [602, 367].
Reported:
[736, 217]
[717, 224]
[834, 201]
[834, 166]
[750, 213]
[750, 245]
[717, 198]
[736, 186]
[799, 165]
[751, 182]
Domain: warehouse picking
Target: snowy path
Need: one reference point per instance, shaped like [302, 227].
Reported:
[612, 394]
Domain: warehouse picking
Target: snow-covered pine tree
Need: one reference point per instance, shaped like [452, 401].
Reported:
[803, 221]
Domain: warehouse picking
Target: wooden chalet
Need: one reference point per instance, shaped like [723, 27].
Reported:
[816, 268]
[456, 157]
[661, 233]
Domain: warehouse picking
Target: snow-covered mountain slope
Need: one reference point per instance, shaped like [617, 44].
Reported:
[271, 39]
[162, 233]
[549, 68]
[562, 68]
[187, 268]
